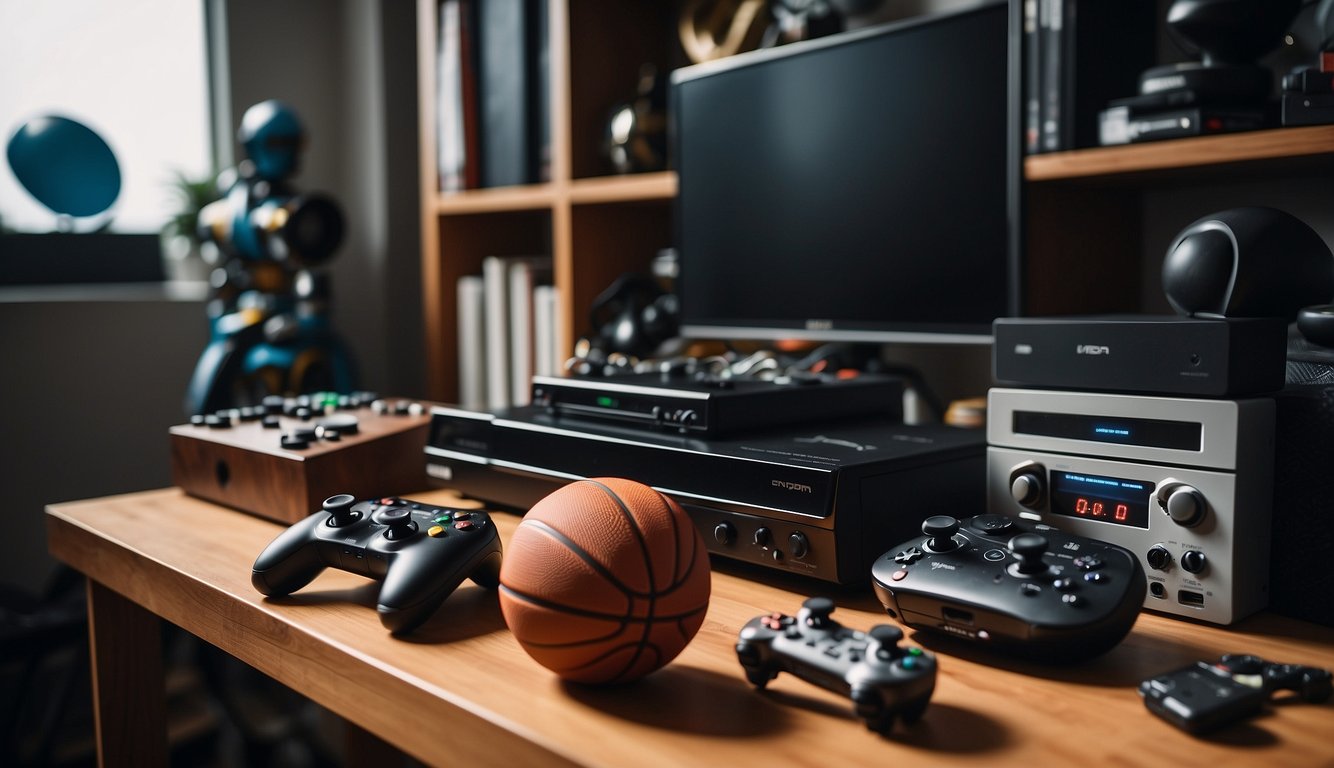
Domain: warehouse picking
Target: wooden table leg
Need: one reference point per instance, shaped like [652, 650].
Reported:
[129, 707]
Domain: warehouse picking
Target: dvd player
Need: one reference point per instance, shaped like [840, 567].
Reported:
[715, 405]
[818, 500]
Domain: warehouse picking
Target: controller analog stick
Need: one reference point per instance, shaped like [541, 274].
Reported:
[399, 522]
[1029, 548]
[340, 510]
[815, 612]
[941, 529]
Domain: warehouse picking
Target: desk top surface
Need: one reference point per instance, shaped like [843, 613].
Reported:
[461, 690]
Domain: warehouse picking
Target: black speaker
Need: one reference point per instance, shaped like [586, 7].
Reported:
[1248, 262]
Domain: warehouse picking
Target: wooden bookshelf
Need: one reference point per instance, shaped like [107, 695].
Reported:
[1084, 210]
[594, 224]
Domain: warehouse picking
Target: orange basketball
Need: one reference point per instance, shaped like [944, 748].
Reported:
[604, 581]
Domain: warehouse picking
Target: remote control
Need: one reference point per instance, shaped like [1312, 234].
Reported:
[882, 679]
[1020, 587]
[422, 552]
[1203, 697]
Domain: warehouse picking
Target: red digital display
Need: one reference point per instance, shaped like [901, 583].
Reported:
[1114, 500]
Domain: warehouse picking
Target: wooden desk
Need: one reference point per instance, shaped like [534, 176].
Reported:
[461, 691]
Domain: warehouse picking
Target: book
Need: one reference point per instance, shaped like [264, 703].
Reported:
[547, 354]
[1032, 63]
[504, 338]
[472, 343]
[525, 275]
[506, 86]
[450, 156]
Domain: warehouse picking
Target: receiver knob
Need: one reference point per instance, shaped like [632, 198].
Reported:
[724, 533]
[1193, 561]
[1183, 503]
[1026, 488]
[1159, 558]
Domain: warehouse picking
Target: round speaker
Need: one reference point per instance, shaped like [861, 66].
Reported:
[1248, 262]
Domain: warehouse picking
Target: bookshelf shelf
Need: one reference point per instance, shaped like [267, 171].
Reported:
[1175, 155]
[525, 198]
[618, 189]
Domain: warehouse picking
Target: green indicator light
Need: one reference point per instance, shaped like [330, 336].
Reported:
[606, 402]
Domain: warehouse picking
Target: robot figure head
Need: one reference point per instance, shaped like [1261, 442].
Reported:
[272, 137]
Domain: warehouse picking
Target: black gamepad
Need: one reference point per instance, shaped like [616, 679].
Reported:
[421, 552]
[882, 679]
[1203, 697]
[1020, 587]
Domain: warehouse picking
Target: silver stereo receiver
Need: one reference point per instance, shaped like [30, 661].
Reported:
[1187, 484]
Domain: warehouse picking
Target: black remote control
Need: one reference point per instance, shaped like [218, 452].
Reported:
[883, 679]
[1204, 697]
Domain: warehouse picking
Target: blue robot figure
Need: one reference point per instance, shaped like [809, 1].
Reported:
[268, 312]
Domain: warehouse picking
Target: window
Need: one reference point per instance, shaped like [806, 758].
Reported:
[136, 73]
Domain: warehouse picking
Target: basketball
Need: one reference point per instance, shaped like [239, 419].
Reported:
[604, 581]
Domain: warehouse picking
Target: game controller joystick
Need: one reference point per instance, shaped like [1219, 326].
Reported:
[421, 552]
[1020, 587]
[883, 680]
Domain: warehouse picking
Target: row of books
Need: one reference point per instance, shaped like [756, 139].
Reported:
[1077, 56]
[507, 326]
[493, 120]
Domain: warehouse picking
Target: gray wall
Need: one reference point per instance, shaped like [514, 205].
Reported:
[93, 378]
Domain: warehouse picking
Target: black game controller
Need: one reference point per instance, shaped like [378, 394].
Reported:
[1020, 587]
[1203, 697]
[882, 679]
[421, 551]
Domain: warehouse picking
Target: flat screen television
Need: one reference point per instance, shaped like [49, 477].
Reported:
[857, 187]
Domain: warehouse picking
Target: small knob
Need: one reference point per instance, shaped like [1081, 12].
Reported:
[798, 545]
[1029, 548]
[941, 530]
[1026, 489]
[763, 538]
[815, 612]
[340, 509]
[1193, 561]
[724, 533]
[1183, 503]
[1159, 558]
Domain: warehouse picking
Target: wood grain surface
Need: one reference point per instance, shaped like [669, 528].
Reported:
[461, 691]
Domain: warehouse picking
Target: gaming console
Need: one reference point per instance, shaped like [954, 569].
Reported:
[1165, 355]
[1203, 697]
[1008, 584]
[883, 679]
[422, 552]
[817, 500]
[1186, 484]
[714, 406]
[279, 460]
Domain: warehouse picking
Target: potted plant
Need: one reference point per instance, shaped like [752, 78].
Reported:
[182, 257]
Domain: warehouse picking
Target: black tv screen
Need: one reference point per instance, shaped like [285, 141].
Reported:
[862, 186]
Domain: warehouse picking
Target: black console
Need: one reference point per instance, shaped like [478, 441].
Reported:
[819, 500]
[1019, 587]
[883, 679]
[421, 551]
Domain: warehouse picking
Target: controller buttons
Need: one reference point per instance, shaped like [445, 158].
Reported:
[909, 556]
[1029, 589]
[436, 531]
[271, 422]
[898, 575]
[909, 663]
[994, 555]
[465, 525]
[1074, 601]
[1089, 562]
[1066, 584]
[1097, 577]
[463, 515]
[992, 525]
[442, 518]
[293, 443]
